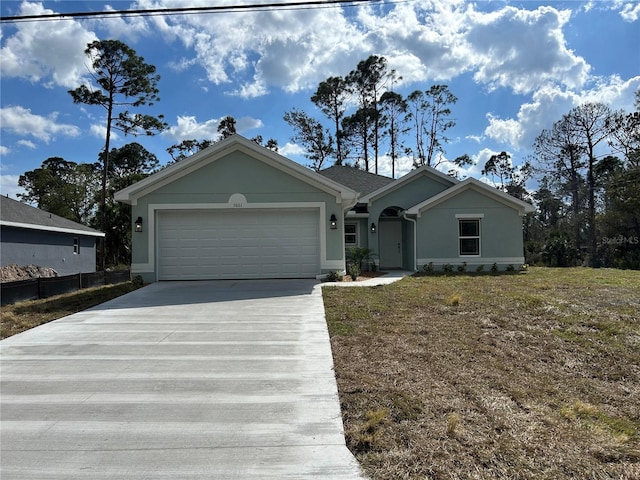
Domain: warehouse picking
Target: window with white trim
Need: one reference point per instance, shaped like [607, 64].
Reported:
[469, 237]
[76, 246]
[351, 234]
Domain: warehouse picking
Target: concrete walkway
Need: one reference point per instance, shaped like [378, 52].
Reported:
[178, 380]
[389, 277]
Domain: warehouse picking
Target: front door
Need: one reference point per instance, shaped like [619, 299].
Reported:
[390, 237]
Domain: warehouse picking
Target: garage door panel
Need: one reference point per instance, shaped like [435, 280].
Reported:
[212, 244]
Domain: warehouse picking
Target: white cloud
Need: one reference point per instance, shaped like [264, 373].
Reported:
[402, 166]
[9, 186]
[291, 150]
[27, 143]
[630, 12]
[550, 102]
[129, 28]
[293, 50]
[475, 138]
[21, 121]
[4, 150]
[187, 127]
[52, 51]
[251, 90]
[99, 130]
[244, 124]
[523, 50]
[507, 131]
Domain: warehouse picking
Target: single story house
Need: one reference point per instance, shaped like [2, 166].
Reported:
[30, 236]
[238, 210]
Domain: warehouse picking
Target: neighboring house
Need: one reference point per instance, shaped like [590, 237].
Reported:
[30, 236]
[238, 210]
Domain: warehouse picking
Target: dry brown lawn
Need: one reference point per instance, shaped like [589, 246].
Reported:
[523, 376]
[22, 316]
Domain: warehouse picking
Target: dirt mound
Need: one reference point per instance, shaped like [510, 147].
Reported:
[12, 273]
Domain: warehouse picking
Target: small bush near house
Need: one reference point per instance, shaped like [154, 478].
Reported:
[334, 276]
[447, 268]
[359, 256]
[428, 268]
[354, 271]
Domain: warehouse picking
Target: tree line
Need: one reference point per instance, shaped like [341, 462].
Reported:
[368, 120]
[587, 203]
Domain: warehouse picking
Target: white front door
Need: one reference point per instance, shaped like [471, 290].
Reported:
[390, 237]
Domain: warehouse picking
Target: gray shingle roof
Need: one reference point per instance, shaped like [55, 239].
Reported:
[15, 212]
[356, 179]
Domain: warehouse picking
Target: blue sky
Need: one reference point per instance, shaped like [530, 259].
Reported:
[515, 67]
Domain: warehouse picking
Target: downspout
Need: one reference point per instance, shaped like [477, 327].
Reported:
[415, 238]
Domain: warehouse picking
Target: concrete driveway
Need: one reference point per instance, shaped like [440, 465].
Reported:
[178, 380]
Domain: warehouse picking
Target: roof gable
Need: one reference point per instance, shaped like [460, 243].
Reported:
[476, 185]
[423, 171]
[222, 149]
[20, 215]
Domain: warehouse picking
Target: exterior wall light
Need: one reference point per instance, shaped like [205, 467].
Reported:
[373, 227]
[333, 222]
[138, 224]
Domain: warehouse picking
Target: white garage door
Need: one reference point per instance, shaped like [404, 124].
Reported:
[219, 244]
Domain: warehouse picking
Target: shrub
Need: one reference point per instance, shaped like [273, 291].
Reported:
[428, 268]
[462, 268]
[560, 251]
[447, 268]
[358, 255]
[511, 268]
[333, 277]
[480, 268]
[494, 268]
[137, 281]
[354, 271]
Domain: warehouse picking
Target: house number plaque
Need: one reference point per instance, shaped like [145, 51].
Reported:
[237, 200]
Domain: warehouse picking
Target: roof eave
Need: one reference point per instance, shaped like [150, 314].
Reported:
[32, 226]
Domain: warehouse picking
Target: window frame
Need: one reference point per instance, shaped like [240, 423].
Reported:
[355, 234]
[477, 218]
[76, 245]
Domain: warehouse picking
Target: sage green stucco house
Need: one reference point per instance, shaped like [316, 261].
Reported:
[238, 210]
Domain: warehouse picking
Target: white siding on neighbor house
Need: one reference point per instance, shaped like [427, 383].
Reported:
[238, 244]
